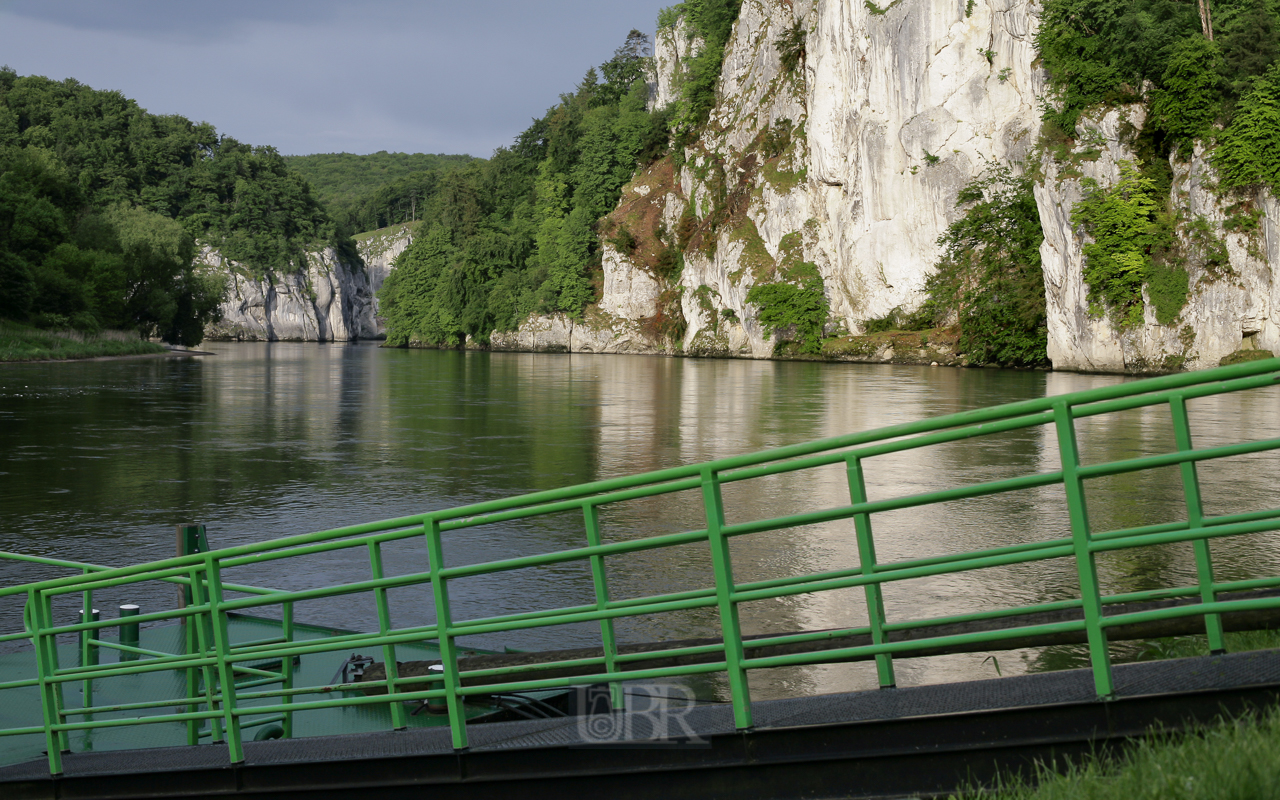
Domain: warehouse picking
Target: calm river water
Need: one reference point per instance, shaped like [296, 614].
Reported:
[98, 461]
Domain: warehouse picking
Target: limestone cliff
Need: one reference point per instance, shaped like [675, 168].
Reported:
[327, 301]
[379, 251]
[851, 164]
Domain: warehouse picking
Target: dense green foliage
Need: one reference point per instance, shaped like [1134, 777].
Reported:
[364, 193]
[339, 179]
[989, 279]
[797, 313]
[712, 22]
[518, 233]
[100, 204]
[1132, 246]
[1104, 51]
[1249, 150]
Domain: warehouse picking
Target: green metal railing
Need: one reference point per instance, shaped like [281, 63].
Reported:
[212, 662]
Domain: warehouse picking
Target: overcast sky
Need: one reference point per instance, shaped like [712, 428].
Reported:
[322, 76]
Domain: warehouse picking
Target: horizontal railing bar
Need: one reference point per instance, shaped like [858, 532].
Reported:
[1191, 534]
[1240, 586]
[393, 582]
[574, 504]
[1192, 610]
[894, 504]
[1179, 457]
[470, 629]
[109, 645]
[322, 547]
[851, 581]
[21, 731]
[576, 554]
[1193, 392]
[179, 701]
[306, 646]
[98, 671]
[800, 659]
[871, 451]
[89, 725]
[155, 616]
[23, 684]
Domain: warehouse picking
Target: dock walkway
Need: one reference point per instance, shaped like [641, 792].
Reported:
[914, 741]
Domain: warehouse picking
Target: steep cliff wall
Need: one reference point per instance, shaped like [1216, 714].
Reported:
[328, 301]
[379, 251]
[851, 164]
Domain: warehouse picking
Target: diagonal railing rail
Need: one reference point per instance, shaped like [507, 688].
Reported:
[211, 660]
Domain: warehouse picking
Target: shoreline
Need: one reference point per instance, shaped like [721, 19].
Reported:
[166, 354]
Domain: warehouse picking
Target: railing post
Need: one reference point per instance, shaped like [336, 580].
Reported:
[1081, 538]
[88, 650]
[1195, 520]
[608, 639]
[222, 651]
[399, 720]
[199, 638]
[730, 627]
[39, 617]
[867, 558]
[444, 624]
[286, 622]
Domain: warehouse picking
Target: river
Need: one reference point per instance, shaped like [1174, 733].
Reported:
[98, 461]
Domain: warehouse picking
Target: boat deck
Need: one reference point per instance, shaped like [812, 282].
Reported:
[22, 706]
[881, 743]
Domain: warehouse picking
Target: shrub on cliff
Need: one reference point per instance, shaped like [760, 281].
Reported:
[989, 280]
[788, 307]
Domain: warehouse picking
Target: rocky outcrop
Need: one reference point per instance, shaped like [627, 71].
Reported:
[597, 332]
[379, 251]
[327, 301]
[1229, 307]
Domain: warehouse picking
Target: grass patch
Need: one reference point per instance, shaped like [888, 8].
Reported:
[23, 343]
[1241, 356]
[1236, 759]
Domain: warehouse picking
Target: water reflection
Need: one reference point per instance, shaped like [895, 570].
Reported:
[99, 460]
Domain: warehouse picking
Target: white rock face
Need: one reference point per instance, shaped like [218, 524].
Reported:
[598, 333]
[379, 253]
[329, 301]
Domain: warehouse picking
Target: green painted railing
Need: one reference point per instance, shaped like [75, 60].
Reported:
[210, 656]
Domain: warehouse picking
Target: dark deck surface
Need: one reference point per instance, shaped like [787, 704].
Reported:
[863, 736]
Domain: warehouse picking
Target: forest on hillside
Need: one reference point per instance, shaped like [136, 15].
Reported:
[367, 192]
[101, 204]
[520, 233]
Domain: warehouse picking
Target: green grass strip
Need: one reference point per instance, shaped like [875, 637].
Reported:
[23, 343]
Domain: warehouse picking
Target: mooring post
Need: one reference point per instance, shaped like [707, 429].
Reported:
[128, 631]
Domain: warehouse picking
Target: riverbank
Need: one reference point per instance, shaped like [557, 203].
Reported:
[21, 343]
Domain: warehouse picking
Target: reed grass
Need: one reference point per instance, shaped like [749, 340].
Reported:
[23, 343]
